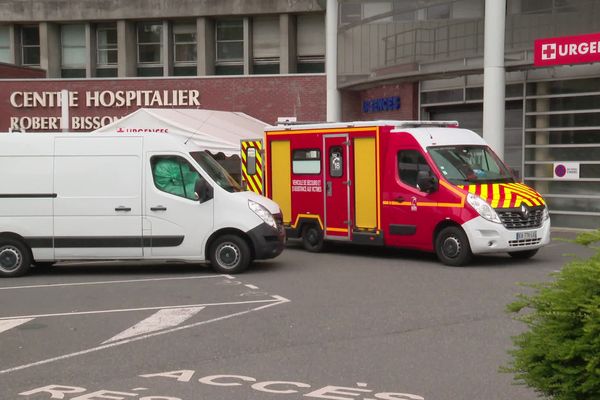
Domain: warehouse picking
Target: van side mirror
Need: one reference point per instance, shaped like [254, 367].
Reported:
[427, 182]
[203, 191]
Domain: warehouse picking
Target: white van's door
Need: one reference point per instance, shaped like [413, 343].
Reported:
[98, 204]
[176, 223]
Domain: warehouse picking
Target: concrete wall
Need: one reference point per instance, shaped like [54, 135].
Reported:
[74, 10]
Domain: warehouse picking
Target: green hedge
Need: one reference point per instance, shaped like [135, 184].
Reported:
[559, 355]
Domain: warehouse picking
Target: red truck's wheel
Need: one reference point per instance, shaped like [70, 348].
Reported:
[452, 246]
[312, 238]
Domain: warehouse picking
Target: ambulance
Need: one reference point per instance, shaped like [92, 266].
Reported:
[426, 185]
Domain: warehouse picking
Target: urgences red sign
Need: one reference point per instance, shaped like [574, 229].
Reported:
[567, 50]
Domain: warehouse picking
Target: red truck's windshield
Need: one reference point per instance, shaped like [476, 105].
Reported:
[467, 164]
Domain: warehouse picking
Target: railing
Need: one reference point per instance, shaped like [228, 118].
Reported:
[426, 44]
[465, 38]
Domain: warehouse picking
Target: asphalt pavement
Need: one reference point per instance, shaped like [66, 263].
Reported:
[350, 323]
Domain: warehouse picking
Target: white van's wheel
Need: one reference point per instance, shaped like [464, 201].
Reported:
[14, 258]
[452, 246]
[229, 254]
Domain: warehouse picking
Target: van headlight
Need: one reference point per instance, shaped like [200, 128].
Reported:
[545, 214]
[262, 213]
[483, 208]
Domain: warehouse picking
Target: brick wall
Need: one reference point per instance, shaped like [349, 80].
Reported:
[352, 103]
[11, 71]
[262, 97]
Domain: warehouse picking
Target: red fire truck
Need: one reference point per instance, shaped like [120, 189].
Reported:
[414, 184]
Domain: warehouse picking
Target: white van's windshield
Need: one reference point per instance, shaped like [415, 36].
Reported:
[215, 171]
[469, 164]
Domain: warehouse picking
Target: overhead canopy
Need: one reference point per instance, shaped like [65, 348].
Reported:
[215, 131]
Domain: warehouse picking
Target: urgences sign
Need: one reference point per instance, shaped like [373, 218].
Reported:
[567, 50]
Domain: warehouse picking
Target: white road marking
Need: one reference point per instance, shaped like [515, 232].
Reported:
[133, 309]
[12, 323]
[113, 282]
[163, 319]
[251, 287]
[277, 300]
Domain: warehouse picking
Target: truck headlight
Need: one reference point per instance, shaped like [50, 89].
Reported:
[483, 208]
[262, 213]
[546, 214]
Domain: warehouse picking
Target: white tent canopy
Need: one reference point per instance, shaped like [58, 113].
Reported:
[215, 131]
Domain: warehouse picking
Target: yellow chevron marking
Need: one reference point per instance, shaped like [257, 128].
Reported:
[531, 198]
[525, 188]
[507, 198]
[258, 183]
[528, 202]
[496, 195]
[533, 195]
[250, 183]
[472, 189]
[244, 157]
[484, 192]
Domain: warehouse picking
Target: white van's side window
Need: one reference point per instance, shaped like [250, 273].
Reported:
[174, 175]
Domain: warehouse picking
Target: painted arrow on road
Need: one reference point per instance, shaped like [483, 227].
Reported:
[167, 318]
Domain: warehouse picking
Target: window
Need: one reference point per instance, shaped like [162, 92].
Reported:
[440, 11]
[5, 45]
[442, 96]
[265, 45]
[30, 45]
[174, 175]
[149, 43]
[230, 47]
[350, 12]
[547, 6]
[306, 162]
[185, 43]
[336, 162]
[72, 39]
[469, 164]
[216, 172]
[108, 54]
[311, 43]
[410, 162]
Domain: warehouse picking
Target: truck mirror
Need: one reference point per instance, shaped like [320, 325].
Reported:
[427, 182]
[203, 191]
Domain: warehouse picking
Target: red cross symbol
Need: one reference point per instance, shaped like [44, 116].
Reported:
[549, 51]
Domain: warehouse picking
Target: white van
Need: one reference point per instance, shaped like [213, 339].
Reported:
[141, 196]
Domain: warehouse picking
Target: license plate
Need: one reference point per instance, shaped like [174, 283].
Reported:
[526, 235]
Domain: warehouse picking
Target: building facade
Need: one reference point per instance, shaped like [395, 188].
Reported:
[397, 59]
[118, 38]
[429, 54]
[265, 58]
